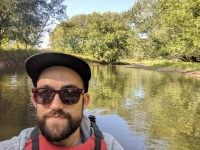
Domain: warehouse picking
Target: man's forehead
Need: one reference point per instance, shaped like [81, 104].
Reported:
[60, 73]
[59, 70]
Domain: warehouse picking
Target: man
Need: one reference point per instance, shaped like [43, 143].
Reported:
[59, 96]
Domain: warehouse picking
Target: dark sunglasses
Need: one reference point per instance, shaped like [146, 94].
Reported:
[68, 96]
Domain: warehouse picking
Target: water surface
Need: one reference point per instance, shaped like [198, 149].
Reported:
[141, 109]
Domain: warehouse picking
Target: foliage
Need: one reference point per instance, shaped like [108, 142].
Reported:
[24, 21]
[103, 36]
[8, 56]
[171, 28]
[150, 29]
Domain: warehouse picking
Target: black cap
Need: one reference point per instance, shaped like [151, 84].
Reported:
[39, 62]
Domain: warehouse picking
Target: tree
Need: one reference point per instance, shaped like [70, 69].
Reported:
[144, 17]
[27, 20]
[183, 20]
[103, 36]
[167, 28]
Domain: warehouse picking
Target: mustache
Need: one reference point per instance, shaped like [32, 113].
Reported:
[57, 113]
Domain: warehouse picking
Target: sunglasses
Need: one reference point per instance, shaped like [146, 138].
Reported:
[68, 96]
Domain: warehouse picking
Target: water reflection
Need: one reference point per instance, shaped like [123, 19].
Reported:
[15, 112]
[142, 109]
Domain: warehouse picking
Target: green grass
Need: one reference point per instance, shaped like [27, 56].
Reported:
[19, 53]
[182, 65]
[164, 63]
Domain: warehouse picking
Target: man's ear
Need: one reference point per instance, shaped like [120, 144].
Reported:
[86, 99]
[33, 100]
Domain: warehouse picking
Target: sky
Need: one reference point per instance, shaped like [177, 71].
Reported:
[76, 7]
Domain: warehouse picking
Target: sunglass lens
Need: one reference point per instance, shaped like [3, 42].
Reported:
[44, 96]
[70, 96]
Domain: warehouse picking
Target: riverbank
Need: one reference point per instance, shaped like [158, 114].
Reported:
[6, 62]
[190, 73]
[16, 58]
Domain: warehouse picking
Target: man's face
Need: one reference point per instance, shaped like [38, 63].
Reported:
[58, 121]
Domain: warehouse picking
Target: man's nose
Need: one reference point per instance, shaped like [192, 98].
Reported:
[56, 103]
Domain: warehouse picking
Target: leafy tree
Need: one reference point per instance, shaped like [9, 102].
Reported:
[150, 29]
[25, 21]
[182, 20]
[104, 36]
[144, 16]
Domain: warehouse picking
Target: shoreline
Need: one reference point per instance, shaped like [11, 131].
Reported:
[192, 73]
[6, 63]
[11, 63]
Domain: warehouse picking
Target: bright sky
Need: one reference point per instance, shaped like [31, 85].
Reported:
[76, 7]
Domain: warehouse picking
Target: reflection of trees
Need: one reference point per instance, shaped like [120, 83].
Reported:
[104, 88]
[161, 105]
[172, 103]
[15, 95]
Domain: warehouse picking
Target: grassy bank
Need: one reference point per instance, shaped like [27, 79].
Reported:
[186, 68]
[17, 57]
[182, 65]
[155, 63]
[14, 58]
[163, 63]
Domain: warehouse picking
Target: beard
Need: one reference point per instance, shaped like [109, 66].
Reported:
[55, 132]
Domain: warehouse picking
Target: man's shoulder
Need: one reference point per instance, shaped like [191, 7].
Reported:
[111, 142]
[16, 142]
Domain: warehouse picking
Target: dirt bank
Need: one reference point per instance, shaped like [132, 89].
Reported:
[11, 62]
[194, 74]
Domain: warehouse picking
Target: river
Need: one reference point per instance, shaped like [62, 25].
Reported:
[141, 109]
